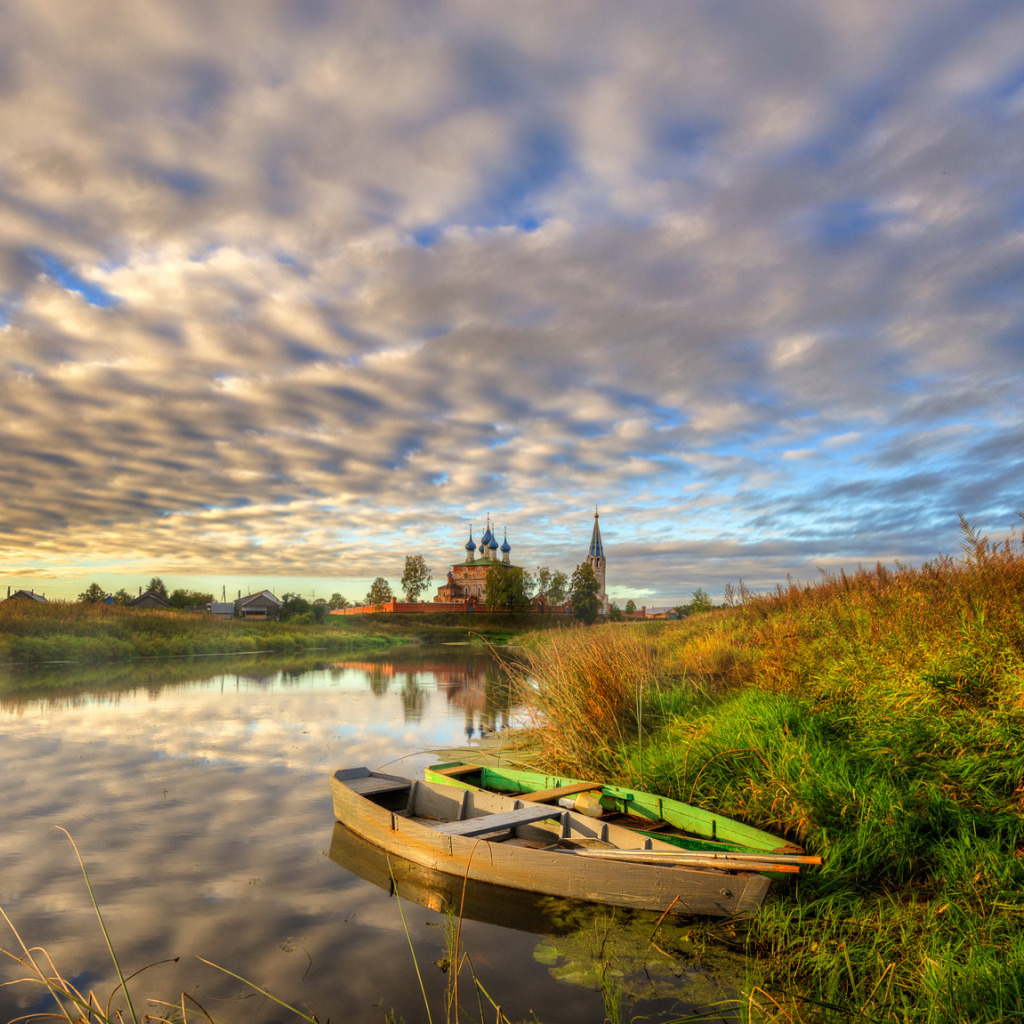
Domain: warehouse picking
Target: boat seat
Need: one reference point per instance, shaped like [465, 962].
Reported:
[371, 785]
[543, 796]
[502, 822]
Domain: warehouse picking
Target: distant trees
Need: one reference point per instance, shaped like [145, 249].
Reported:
[156, 586]
[379, 592]
[337, 601]
[507, 588]
[122, 597]
[416, 577]
[93, 594]
[294, 604]
[552, 586]
[584, 591]
[700, 602]
[189, 599]
[630, 608]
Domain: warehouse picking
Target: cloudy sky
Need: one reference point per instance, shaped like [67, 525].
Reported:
[290, 289]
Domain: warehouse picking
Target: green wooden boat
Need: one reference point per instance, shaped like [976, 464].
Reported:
[671, 821]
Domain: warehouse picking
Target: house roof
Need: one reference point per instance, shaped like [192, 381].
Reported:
[150, 596]
[266, 595]
[31, 595]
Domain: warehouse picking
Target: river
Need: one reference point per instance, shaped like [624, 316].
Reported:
[197, 793]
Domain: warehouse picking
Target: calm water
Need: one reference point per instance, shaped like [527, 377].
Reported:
[198, 796]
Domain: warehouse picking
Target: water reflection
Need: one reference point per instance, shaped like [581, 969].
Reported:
[198, 794]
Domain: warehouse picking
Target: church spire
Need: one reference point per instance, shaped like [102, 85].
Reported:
[596, 547]
[597, 562]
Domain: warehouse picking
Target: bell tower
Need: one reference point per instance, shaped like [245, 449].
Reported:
[597, 561]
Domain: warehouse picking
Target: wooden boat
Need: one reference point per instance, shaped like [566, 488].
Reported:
[446, 893]
[553, 851]
[672, 821]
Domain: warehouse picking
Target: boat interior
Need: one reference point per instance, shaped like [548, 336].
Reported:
[480, 815]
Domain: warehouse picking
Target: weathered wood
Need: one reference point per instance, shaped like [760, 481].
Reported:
[680, 889]
[790, 860]
[371, 785]
[544, 796]
[458, 769]
[687, 826]
[502, 822]
[721, 861]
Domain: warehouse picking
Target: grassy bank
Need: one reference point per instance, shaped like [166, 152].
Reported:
[32, 634]
[875, 718]
[35, 634]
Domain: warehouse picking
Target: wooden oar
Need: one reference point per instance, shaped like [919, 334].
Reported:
[761, 858]
[720, 861]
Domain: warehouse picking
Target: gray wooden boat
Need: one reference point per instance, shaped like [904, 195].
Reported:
[488, 837]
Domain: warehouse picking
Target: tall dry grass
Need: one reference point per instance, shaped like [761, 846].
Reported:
[586, 689]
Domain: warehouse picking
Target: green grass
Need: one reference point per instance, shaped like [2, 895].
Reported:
[78, 633]
[875, 718]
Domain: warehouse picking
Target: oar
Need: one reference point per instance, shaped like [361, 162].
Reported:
[721, 861]
[761, 858]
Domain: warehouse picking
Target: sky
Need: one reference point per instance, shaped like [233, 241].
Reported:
[291, 290]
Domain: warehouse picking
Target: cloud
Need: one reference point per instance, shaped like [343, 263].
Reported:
[277, 289]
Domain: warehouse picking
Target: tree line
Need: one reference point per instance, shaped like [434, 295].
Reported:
[510, 589]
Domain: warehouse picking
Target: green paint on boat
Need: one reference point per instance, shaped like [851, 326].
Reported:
[672, 821]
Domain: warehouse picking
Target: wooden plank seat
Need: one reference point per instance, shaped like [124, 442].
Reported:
[543, 796]
[371, 785]
[456, 770]
[502, 822]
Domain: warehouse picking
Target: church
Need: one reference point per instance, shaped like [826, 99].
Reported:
[467, 580]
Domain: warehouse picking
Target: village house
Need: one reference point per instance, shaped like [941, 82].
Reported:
[261, 607]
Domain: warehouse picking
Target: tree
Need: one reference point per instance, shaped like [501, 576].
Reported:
[93, 594]
[337, 601]
[583, 593]
[189, 599]
[630, 607]
[416, 577]
[292, 605]
[700, 602]
[157, 586]
[615, 613]
[122, 597]
[507, 588]
[552, 586]
[379, 592]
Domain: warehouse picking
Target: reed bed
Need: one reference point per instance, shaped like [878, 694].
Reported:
[586, 690]
[874, 717]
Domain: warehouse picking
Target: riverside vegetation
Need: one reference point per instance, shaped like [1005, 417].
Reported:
[82, 633]
[877, 718]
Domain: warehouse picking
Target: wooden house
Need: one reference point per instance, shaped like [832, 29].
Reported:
[263, 605]
[25, 595]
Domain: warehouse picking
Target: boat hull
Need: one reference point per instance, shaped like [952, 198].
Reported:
[406, 825]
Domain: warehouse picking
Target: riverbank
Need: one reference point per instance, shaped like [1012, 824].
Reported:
[74, 633]
[874, 718]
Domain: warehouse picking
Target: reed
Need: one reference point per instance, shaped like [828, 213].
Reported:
[586, 689]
